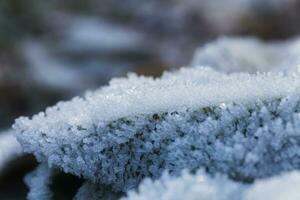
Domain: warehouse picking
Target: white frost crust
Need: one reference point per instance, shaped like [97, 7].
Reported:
[248, 55]
[188, 88]
[201, 186]
[285, 186]
[187, 186]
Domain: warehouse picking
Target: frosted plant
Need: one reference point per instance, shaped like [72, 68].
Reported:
[245, 126]
[10, 149]
[248, 55]
[95, 192]
[187, 186]
[39, 182]
[201, 186]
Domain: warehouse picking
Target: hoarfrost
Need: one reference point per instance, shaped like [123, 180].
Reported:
[202, 186]
[191, 187]
[245, 126]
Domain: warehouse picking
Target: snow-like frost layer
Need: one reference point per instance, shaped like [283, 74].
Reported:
[280, 187]
[248, 55]
[10, 149]
[39, 182]
[201, 186]
[187, 186]
[242, 125]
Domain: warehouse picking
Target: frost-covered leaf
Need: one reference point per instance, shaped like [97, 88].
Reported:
[39, 182]
[201, 186]
[187, 186]
[248, 55]
[245, 126]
